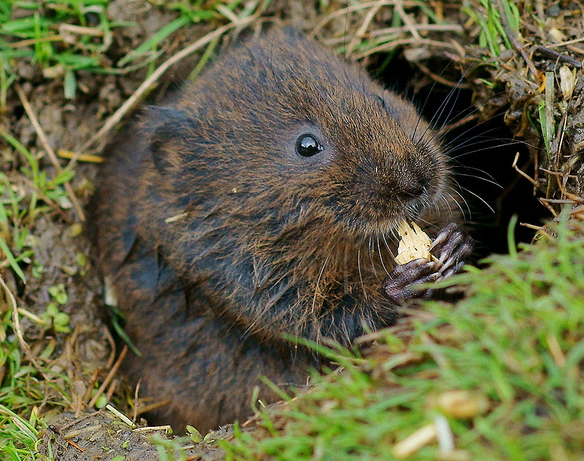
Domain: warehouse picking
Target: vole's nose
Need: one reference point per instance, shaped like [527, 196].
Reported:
[413, 184]
[405, 181]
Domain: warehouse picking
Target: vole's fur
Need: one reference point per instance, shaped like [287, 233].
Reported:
[220, 238]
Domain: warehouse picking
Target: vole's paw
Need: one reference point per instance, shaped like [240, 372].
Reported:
[398, 284]
[452, 247]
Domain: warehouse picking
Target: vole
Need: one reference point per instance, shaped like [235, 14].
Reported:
[259, 204]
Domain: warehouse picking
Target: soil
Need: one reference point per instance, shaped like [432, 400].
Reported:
[103, 436]
[509, 105]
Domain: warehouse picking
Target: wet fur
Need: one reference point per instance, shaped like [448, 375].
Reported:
[261, 242]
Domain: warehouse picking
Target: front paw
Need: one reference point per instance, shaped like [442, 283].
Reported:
[399, 283]
[451, 248]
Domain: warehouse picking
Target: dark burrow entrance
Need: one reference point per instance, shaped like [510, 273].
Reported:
[482, 153]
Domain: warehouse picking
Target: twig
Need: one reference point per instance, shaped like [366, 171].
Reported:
[76, 445]
[453, 126]
[152, 428]
[531, 226]
[118, 414]
[363, 27]
[68, 155]
[109, 377]
[441, 79]
[558, 201]
[575, 49]
[87, 396]
[568, 42]
[33, 41]
[119, 114]
[399, 6]
[550, 208]
[345, 11]
[406, 41]
[556, 350]
[111, 389]
[353, 8]
[136, 394]
[413, 442]
[553, 54]
[521, 172]
[456, 28]
[51, 153]
[571, 198]
[153, 406]
[77, 421]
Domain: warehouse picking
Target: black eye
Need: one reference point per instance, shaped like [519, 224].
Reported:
[307, 145]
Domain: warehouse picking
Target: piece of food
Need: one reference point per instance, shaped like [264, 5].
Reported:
[414, 243]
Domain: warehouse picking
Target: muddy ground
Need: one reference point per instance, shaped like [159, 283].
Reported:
[497, 104]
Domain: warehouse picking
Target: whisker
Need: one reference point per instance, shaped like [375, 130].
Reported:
[448, 198]
[371, 258]
[477, 196]
[381, 255]
[360, 272]
[487, 180]
[450, 152]
[324, 264]
[387, 245]
[461, 166]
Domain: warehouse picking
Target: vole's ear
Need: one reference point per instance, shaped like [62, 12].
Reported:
[292, 32]
[165, 125]
[291, 35]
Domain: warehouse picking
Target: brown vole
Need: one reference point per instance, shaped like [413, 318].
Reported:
[262, 202]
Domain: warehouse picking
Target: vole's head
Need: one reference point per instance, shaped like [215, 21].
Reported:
[372, 159]
[284, 131]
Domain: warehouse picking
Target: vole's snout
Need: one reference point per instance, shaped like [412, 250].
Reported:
[402, 184]
[412, 185]
[417, 176]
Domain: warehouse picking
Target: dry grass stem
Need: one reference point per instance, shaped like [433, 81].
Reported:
[119, 415]
[51, 153]
[68, 155]
[109, 376]
[363, 27]
[399, 6]
[353, 8]
[153, 428]
[138, 95]
[384, 47]
[413, 442]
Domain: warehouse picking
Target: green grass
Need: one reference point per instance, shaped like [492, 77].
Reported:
[18, 436]
[20, 207]
[39, 34]
[23, 392]
[68, 36]
[494, 35]
[516, 343]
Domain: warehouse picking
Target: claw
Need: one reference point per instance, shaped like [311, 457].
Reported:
[443, 235]
[452, 246]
